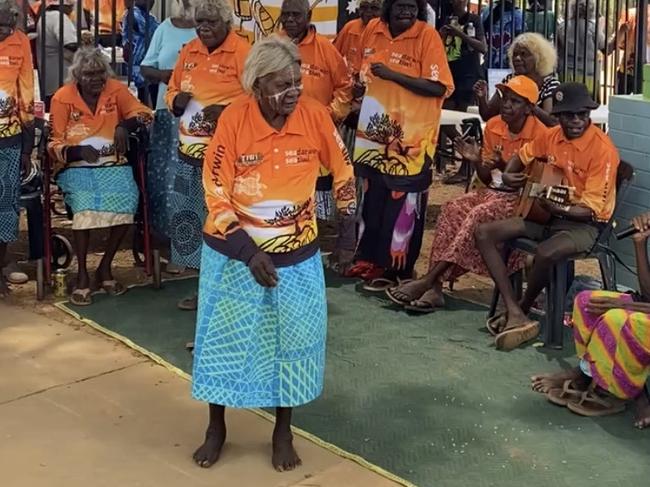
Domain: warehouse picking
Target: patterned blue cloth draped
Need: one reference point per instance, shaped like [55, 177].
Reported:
[9, 192]
[259, 347]
[144, 25]
[105, 189]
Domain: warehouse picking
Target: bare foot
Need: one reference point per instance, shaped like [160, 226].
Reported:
[433, 298]
[642, 416]
[515, 320]
[543, 383]
[284, 456]
[407, 293]
[208, 453]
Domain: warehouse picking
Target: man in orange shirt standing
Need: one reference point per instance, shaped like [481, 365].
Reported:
[590, 162]
[108, 19]
[324, 77]
[349, 38]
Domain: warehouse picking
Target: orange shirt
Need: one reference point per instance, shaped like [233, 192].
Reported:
[213, 79]
[16, 86]
[105, 14]
[398, 130]
[262, 180]
[325, 75]
[497, 138]
[72, 122]
[589, 164]
[348, 42]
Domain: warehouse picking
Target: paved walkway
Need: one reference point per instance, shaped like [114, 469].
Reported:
[78, 409]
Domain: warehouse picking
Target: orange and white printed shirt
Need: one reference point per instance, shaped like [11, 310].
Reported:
[398, 130]
[105, 14]
[261, 180]
[589, 163]
[213, 79]
[348, 43]
[325, 75]
[72, 123]
[16, 87]
[497, 139]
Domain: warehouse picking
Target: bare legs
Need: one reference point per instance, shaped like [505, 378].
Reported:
[103, 273]
[284, 457]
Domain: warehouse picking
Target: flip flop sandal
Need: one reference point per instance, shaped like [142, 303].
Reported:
[379, 284]
[564, 395]
[400, 302]
[494, 324]
[510, 339]
[591, 404]
[113, 287]
[81, 297]
[427, 309]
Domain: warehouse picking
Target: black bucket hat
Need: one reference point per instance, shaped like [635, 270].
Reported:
[572, 98]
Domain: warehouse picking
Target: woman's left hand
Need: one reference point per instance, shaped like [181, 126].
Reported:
[382, 71]
[121, 141]
[599, 305]
[642, 224]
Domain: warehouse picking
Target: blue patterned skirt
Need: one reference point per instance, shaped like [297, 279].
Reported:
[163, 155]
[259, 347]
[99, 197]
[187, 214]
[9, 193]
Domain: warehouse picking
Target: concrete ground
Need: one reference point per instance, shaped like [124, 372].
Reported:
[80, 409]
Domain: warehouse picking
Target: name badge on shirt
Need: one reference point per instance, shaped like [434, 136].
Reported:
[248, 160]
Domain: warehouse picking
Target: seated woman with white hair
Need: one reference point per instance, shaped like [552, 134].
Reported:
[91, 117]
[262, 314]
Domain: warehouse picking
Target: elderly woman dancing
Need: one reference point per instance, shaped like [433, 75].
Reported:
[206, 78]
[91, 118]
[16, 123]
[530, 55]
[262, 318]
[612, 337]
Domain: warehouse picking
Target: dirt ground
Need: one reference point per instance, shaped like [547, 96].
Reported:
[471, 287]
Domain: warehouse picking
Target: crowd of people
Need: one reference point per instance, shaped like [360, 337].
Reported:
[251, 146]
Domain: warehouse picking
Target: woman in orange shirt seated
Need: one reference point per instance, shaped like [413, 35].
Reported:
[453, 252]
[205, 79]
[91, 118]
[262, 317]
[16, 117]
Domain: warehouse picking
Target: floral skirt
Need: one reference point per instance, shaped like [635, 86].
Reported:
[453, 238]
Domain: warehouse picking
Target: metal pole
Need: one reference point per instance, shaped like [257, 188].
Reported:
[60, 66]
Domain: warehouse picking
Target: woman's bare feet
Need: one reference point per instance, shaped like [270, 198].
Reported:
[285, 457]
[208, 453]
[408, 292]
[642, 415]
[543, 383]
[431, 299]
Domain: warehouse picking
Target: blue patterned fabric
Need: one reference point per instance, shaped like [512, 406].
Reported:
[144, 26]
[161, 168]
[187, 214]
[108, 189]
[259, 347]
[9, 192]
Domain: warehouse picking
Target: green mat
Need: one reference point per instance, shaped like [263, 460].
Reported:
[423, 397]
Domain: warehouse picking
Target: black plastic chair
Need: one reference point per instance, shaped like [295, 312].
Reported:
[556, 290]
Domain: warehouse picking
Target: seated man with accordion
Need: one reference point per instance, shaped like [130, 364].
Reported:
[568, 182]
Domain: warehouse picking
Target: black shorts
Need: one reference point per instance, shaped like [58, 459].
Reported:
[583, 235]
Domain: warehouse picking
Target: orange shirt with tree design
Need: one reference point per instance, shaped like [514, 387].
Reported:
[589, 163]
[398, 130]
[213, 78]
[73, 123]
[261, 180]
[16, 87]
